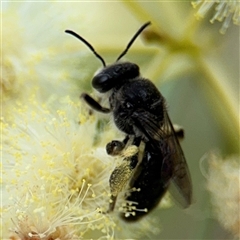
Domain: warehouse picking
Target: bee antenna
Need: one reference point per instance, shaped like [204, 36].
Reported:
[133, 39]
[88, 44]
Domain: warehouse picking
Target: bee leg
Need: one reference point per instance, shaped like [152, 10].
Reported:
[135, 162]
[141, 148]
[120, 177]
[126, 172]
[94, 104]
[131, 150]
[115, 147]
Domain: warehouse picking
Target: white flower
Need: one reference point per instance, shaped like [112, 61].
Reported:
[226, 11]
[223, 184]
[56, 182]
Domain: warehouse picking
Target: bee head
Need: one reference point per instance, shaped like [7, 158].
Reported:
[115, 74]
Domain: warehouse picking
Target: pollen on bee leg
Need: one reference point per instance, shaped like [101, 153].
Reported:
[119, 177]
[130, 151]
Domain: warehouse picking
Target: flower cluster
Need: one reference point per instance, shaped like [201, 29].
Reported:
[225, 11]
[56, 183]
[223, 185]
[55, 178]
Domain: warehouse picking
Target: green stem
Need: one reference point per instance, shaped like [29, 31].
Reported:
[222, 97]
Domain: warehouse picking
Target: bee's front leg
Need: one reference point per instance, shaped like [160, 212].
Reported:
[115, 147]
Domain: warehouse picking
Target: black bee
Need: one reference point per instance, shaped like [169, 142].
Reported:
[139, 110]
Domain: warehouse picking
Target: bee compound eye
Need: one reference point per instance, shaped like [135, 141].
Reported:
[101, 83]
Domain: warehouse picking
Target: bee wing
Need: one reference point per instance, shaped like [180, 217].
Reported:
[163, 136]
[182, 188]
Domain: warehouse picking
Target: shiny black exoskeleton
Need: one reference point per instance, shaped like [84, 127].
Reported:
[136, 99]
[139, 110]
